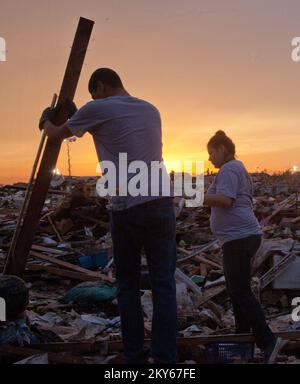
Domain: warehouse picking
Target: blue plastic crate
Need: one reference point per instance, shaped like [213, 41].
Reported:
[225, 353]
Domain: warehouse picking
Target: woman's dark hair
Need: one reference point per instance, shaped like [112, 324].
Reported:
[106, 76]
[220, 138]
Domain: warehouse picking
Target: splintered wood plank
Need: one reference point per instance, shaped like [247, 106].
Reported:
[210, 293]
[73, 267]
[68, 274]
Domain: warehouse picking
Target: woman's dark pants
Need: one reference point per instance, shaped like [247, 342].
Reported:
[237, 255]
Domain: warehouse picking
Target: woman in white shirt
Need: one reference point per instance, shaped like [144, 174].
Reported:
[233, 222]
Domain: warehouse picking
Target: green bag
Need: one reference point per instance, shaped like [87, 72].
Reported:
[90, 293]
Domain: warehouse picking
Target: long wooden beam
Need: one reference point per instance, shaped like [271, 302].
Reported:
[193, 341]
[30, 351]
[17, 256]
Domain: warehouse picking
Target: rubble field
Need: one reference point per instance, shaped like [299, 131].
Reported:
[72, 316]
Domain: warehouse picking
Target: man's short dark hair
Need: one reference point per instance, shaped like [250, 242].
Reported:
[16, 295]
[106, 76]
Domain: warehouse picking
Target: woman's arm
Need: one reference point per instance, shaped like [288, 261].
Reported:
[218, 200]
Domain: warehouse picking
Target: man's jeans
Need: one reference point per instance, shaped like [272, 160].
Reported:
[150, 225]
[248, 313]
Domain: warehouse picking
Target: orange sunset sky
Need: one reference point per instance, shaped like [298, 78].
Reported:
[206, 65]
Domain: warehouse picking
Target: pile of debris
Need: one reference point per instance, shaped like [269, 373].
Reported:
[70, 274]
